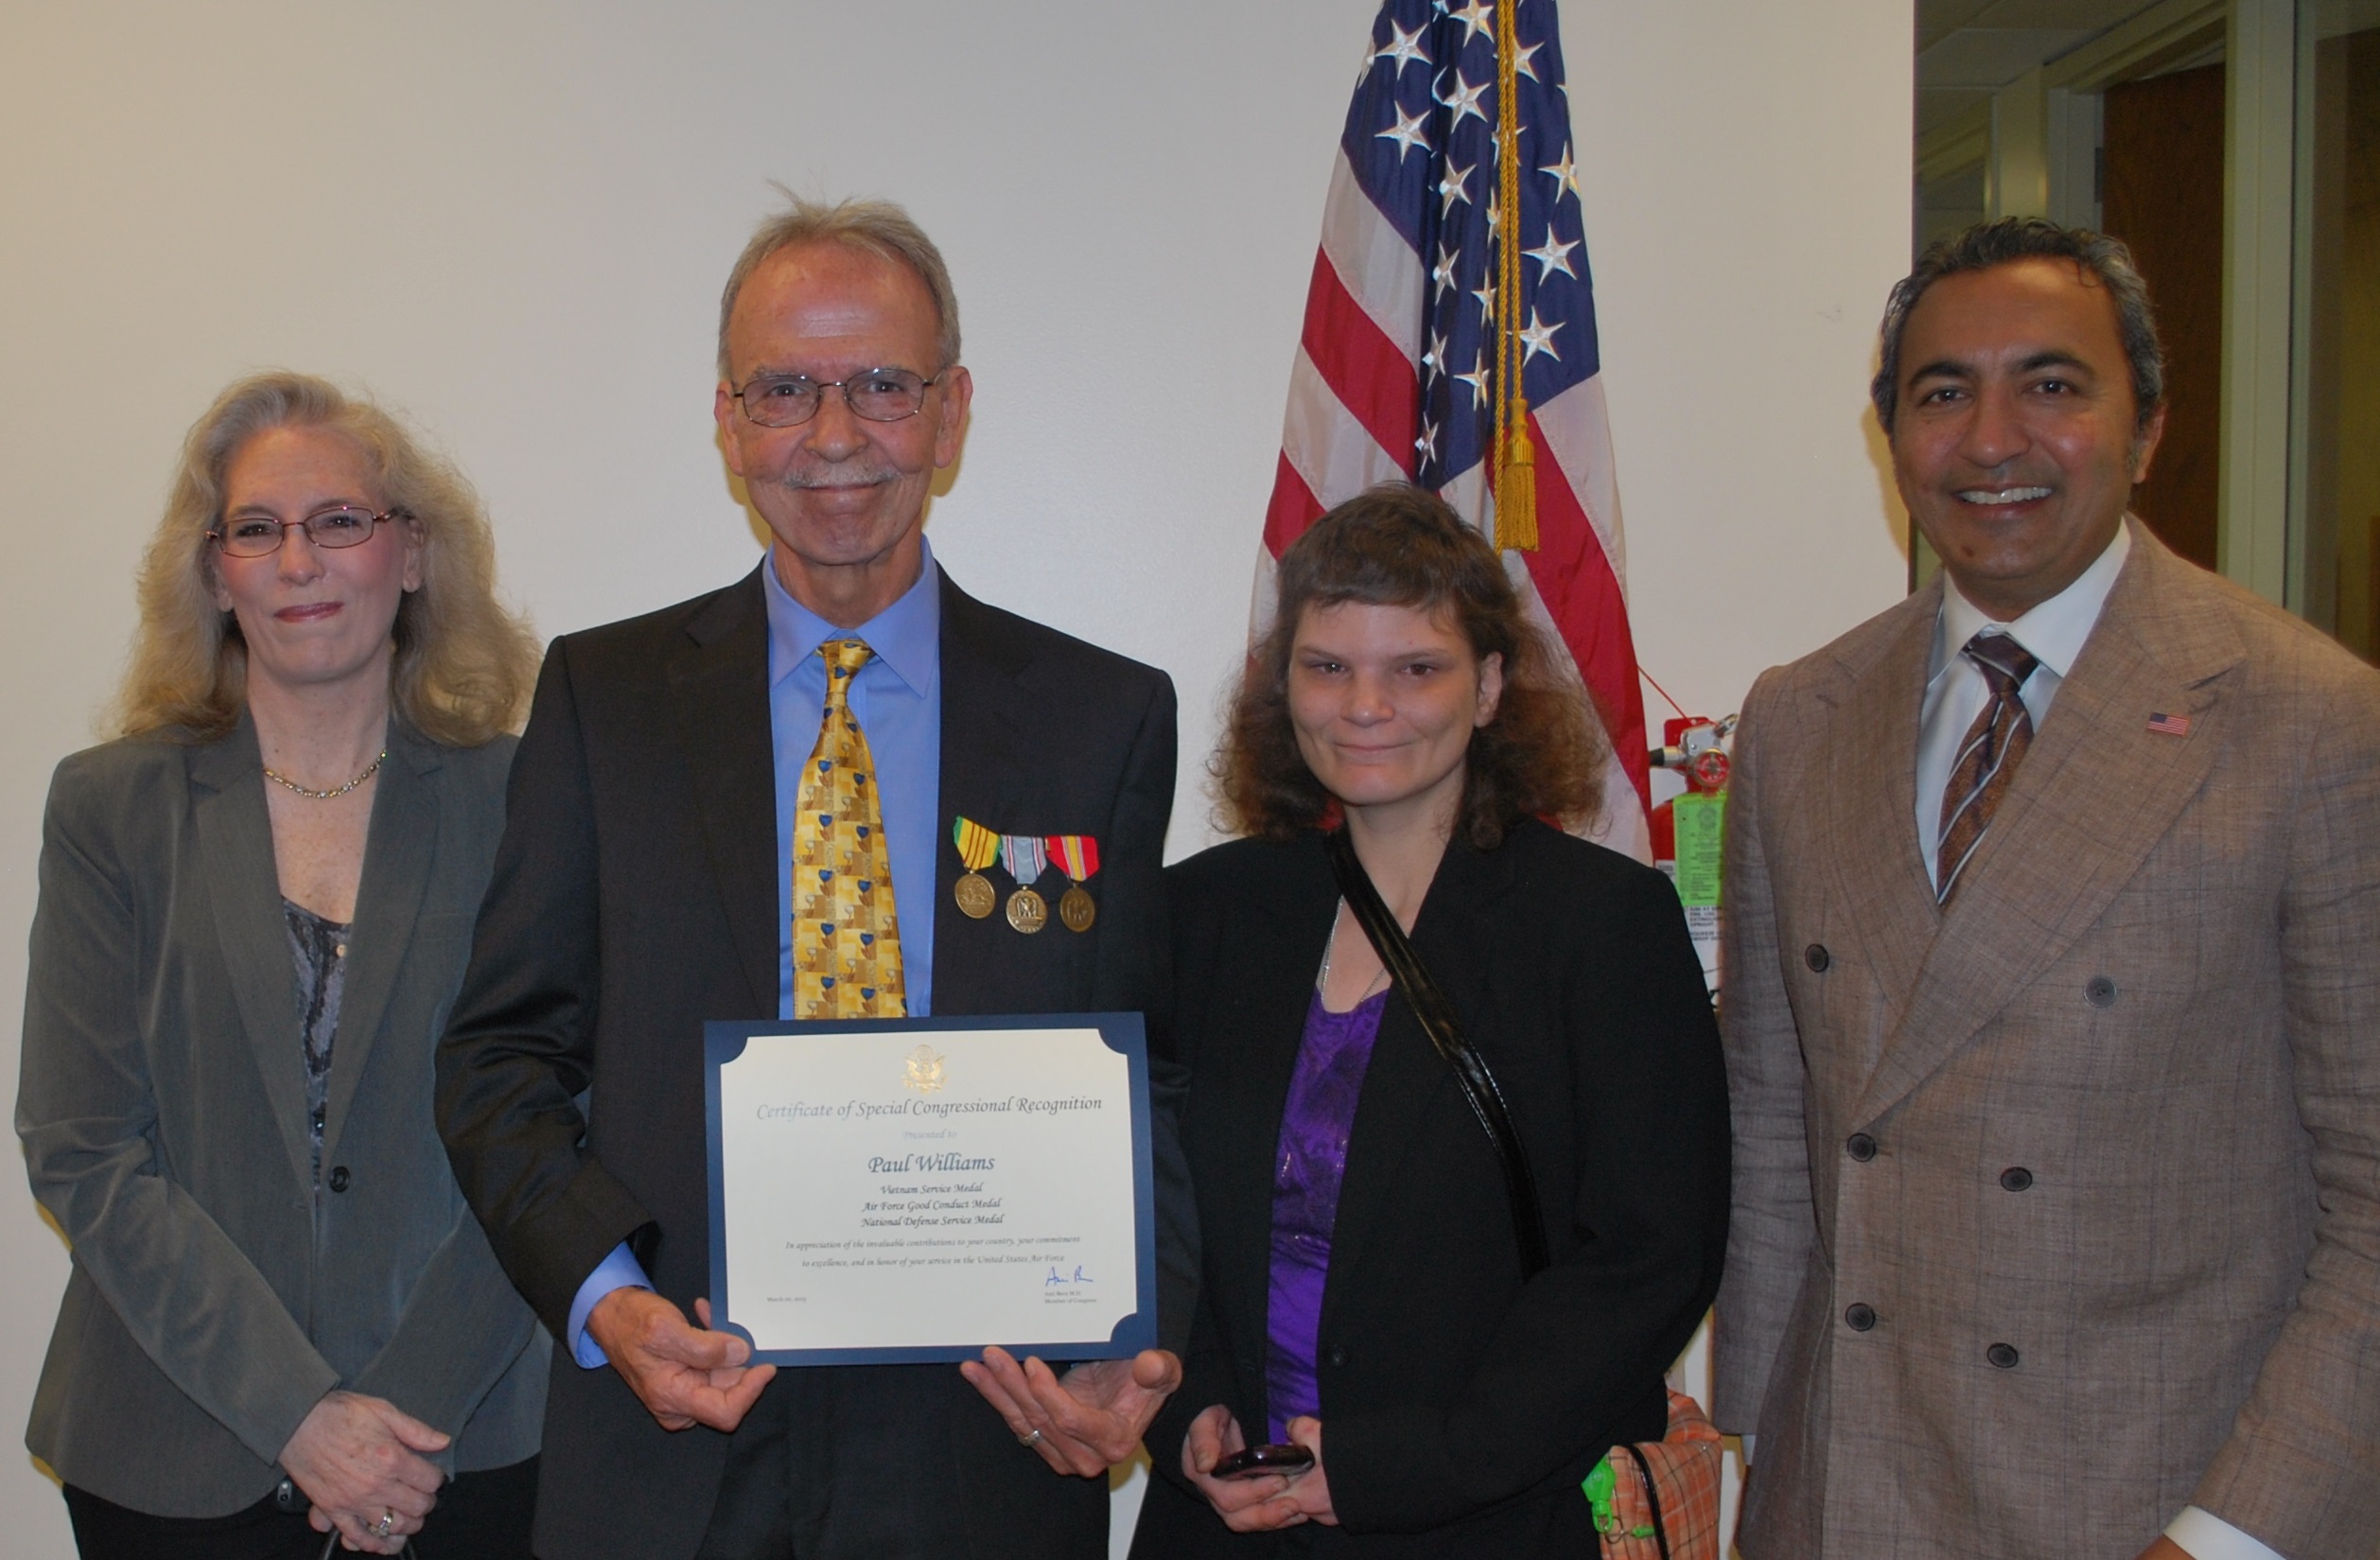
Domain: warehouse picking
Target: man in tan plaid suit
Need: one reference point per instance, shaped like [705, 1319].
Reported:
[2052, 999]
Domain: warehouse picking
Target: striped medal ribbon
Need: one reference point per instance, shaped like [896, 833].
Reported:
[1078, 856]
[1026, 857]
[977, 846]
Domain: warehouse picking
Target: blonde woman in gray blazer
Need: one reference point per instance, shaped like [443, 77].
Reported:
[254, 908]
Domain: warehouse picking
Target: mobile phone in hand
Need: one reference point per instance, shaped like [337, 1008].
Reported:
[1256, 1462]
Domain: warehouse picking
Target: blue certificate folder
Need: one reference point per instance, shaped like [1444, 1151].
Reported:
[726, 1041]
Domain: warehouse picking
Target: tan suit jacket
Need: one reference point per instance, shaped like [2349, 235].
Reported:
[2095, 1156]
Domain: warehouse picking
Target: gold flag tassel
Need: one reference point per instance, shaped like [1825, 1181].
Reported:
[1515, 453]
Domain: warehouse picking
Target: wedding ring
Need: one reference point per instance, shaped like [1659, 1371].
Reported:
[388, 1520]
[1033, 1440]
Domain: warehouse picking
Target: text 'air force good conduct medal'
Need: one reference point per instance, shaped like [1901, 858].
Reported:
[1026, 857]
[1078, 856]
[977, 846]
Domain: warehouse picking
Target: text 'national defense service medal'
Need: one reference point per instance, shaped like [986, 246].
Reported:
[1026, 857]
[1078, 856]
[977, 846]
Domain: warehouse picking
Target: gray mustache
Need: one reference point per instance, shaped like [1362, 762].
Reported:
[847, 475]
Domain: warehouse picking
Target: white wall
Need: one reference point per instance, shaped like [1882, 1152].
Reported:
[511, 221]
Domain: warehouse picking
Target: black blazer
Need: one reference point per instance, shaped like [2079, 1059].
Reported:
[1460, 1407]
[635, 897]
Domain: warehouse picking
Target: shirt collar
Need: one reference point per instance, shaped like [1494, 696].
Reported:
[906, 636]
[2053, 632]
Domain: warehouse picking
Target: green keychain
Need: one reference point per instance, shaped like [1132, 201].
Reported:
[1601, 1489]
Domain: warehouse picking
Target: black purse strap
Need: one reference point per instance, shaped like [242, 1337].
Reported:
[1651, 1499]
[1437, 1017]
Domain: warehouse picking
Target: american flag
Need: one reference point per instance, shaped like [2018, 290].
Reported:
[1395, 370]
[2169, 726]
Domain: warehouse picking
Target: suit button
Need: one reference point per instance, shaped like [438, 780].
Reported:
[2002, 1356]
[2014, 1179]
[1860, 1317]
[2099, 991]
[338, 1178]
[1337, 1355]
[1860, 1147]
[1816, 957]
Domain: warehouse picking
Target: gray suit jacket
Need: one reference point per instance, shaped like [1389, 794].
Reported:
[162, 1105]
[2095, 1154]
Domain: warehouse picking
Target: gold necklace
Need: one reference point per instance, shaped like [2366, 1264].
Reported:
[369, 770]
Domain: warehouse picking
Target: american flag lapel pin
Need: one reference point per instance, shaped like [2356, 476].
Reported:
[2169, 726]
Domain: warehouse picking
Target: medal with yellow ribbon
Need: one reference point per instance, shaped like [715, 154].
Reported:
[1027, 858]
[1078, 856]
[977, 846]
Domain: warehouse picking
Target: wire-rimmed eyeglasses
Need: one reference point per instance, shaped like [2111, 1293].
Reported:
[260, 536]
[878, 394]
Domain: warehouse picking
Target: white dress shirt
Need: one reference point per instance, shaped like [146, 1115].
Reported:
[2053, 633]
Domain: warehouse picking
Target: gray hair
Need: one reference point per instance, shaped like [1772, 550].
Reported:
[875, 227]
[2013, 238]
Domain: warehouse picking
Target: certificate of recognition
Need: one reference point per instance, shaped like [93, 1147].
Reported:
[916, 1189]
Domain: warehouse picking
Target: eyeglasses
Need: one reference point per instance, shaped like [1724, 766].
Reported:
[878, 394]
[260, 536]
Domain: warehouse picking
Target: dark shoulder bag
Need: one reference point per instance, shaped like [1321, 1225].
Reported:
[1676, 1489]
[1437, 1017]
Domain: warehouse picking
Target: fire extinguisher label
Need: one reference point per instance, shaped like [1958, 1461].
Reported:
[1701, 820]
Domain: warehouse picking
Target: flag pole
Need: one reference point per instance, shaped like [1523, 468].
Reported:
[1515, 453]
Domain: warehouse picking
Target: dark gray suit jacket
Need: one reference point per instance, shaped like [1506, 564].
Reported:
[162, 1105]
[634, 898]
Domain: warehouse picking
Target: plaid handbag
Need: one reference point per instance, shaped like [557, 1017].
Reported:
[1660, 1500]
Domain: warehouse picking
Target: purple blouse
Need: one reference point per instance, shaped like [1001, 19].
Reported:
[1307, 1168]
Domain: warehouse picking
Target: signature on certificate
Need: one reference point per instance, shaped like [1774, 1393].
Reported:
[1056, 1278]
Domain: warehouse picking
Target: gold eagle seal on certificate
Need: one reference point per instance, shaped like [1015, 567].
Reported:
[922, 1069]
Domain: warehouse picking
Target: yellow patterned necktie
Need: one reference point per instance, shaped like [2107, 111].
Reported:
[846, 946]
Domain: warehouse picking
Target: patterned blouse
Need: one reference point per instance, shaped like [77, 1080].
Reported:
[319, 948]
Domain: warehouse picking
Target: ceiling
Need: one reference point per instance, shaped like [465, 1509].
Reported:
[1968, 50]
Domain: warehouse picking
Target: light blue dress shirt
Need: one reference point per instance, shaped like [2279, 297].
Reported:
[897, 700]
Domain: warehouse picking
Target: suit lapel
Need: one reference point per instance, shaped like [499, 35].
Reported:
[398, 853]
[244, 887]
[1407, 1074]
[720, 678]
[1280, 943]
[984, 761]
[1871, 803]
[2094, 795]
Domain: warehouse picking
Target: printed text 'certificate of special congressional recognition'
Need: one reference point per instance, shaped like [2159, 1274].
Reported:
[916, 1189]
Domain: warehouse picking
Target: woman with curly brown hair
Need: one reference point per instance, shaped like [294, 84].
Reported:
[1436, 1378]
[256, 905]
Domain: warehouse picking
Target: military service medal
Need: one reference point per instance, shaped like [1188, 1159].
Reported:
[1027, 858]
[1078, 856]
[977, 846]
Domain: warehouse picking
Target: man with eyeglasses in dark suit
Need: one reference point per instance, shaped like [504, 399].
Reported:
[657, 835]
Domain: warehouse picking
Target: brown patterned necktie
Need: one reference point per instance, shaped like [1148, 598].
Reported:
[846, 946]
[1987, 759]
